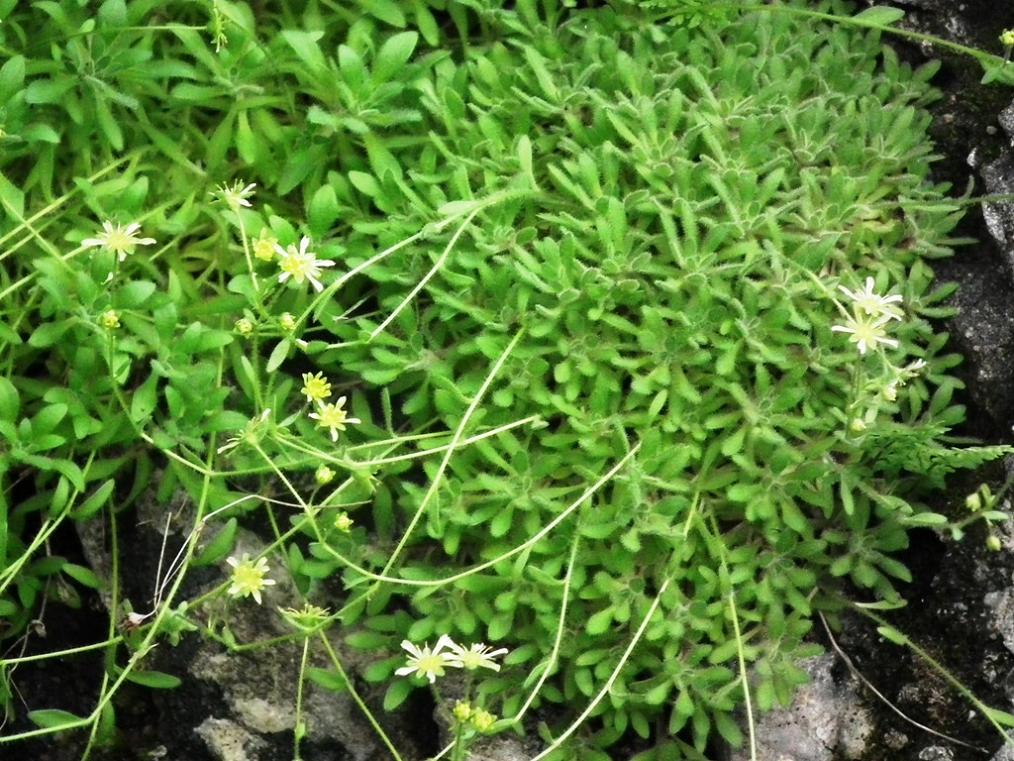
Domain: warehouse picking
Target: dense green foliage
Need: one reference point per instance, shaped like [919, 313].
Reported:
[587, 265]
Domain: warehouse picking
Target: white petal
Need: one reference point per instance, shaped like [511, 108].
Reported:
[92, 242]
[415, 651]
[405, 670]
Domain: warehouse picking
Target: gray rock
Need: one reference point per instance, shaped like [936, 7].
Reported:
[1002, 604]
[229, 740]
[826, 722]
[936, 753]
[1006, 753]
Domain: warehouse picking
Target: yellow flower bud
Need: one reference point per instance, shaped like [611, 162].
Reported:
[110, 319]
[243, 326]
[462, 711]
[483, 720]
[993, 543]
[324, 475]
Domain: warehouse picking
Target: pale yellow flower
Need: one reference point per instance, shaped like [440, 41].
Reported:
[301, 264]
[866, 334]
[287, 322]
[249, 577]
[462, 711]
[117, 239]
[333, 417]
[343, 522]
[316, 387]
[244, 326]
[476, 656]
[424, 661]
[872, 304]
[1007, 38]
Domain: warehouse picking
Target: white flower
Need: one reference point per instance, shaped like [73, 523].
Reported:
[866, 334]
[476, 656]
[426, 662]
[301, 264]
[870, 303]
[235, 195]
[117, 239]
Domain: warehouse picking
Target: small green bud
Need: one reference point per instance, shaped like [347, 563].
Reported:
[993, 543]
[973, 502]
[244, 326]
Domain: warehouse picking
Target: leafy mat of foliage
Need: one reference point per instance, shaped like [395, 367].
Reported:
[641, 223]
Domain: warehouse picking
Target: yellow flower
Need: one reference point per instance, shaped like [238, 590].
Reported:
[264, 246]
[316, 387]
[287, 321]
[301, 264]
[343, 522]
[462, 711]
[333, 417]
[1007, 38]
[117, 239]
[483, 720]
[110, 319]
[243, 326]
[248, 577]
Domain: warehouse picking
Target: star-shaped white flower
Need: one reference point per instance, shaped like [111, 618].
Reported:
[476, 656]
[869, 303]
[117, 239]
[426, 662]
[866, 334]
[301, 264]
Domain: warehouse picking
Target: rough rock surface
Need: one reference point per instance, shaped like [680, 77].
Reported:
[826, 722]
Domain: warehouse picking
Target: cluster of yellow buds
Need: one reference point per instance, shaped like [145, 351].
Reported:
[479, 718]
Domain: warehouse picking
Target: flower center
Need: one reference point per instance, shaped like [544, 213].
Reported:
[119, 242]
[295, 265]
[431, 664]
[248, 578]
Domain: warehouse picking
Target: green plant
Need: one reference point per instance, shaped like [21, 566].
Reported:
[577, 273]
